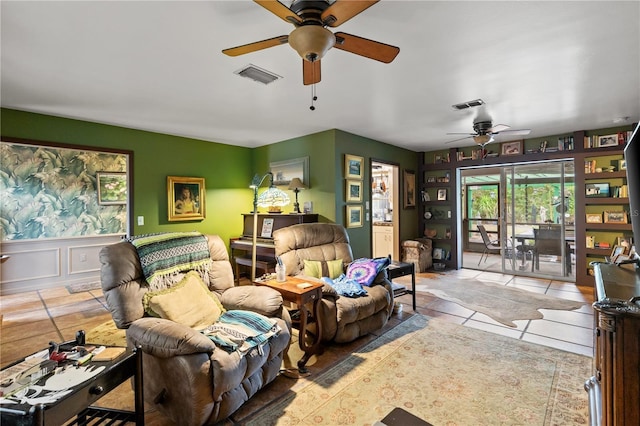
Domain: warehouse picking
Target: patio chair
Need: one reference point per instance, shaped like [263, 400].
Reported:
[548, 241]
[492, 246]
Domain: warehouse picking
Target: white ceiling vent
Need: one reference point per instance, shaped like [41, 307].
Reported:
[257, 74]
[470, 104]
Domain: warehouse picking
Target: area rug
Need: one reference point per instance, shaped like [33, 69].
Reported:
[445, 374]
[502, 303]
[107, 334]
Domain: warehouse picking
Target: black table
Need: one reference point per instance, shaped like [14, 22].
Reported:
[78, 403]
[399, 269]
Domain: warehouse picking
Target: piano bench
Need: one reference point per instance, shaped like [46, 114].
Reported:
[263, 263]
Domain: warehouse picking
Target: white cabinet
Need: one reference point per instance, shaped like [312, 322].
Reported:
[382, 240]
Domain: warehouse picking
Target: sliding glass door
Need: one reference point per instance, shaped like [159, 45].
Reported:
[526, 209]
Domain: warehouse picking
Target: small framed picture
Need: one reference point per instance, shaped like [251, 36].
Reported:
[354, 216]
[625, 242]
[596, 190]
[112, 188]
[608, 140]
[594, 218]
[511, 148]
[615, 217]
[442, 194]
[185, 197]
[617, 251]
[353, 167]
[285, 171]
[438, 253]
[622, 165]
[353, 191]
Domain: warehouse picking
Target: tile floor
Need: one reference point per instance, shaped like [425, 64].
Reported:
[30, 320]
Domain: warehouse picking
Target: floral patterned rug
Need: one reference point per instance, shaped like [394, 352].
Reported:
[445, 374]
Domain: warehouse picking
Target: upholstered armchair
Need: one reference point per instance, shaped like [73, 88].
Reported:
[344, 319]
[186, 376]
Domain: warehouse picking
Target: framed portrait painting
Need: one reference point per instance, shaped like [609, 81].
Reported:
[353, 167]
[186, 198]
[409, 189]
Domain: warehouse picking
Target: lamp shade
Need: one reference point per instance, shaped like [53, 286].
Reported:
[311, 41]
[296, 183]
[273, 197]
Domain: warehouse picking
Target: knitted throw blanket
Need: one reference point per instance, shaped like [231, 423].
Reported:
[242, 331]
[164, 256]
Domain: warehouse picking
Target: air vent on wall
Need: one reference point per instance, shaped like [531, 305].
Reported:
[470, 104]
[258, 74]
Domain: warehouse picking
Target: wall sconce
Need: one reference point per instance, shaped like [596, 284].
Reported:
[296, 185]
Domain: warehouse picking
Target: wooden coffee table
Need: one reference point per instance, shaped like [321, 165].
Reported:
[292, 291]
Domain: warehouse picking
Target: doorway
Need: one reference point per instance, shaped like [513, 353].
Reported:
[385, 210]
[526, 209]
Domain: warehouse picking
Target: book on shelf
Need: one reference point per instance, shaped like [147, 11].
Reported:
[594, 141]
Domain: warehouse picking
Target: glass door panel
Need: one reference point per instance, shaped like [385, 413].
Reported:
[529, 209]
[538, 217]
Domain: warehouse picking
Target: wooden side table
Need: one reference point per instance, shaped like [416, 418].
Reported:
[292, 290]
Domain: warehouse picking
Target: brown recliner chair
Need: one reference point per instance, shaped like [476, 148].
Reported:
[186, 377]
[344, 319]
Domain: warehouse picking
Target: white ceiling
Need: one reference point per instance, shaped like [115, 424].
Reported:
[551, 66]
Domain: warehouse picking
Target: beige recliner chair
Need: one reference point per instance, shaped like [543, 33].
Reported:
[186, 376]
[344, 319]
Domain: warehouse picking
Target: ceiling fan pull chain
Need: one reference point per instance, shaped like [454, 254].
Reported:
[313, 90]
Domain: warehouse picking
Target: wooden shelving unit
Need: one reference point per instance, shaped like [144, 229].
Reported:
[432, 168]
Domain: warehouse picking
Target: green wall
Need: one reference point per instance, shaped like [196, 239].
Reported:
[226, 168]
[227, 171]
[326, 151]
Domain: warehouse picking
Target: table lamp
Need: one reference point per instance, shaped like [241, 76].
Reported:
[272, 197]
[296, 185]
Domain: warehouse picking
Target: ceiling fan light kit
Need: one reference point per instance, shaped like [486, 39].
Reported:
[311, 41]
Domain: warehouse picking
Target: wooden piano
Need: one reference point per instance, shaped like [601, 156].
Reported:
[241, 247]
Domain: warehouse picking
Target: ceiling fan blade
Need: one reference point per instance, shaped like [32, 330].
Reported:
[462, 133]
[342, 10]
[515, 132]
[365, 47]
[310, 72]
[280, 10]
[456, 140]
[258, 45]
[498, 128]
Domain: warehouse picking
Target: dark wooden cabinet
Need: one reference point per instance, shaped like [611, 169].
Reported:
[617, 345]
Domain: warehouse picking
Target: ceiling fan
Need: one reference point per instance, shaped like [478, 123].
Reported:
[484, 131]
[311, 39]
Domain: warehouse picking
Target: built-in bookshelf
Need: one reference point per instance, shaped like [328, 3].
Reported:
[601, 153]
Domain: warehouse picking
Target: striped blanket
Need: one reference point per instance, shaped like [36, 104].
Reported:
[164, 256]
[242, 331]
